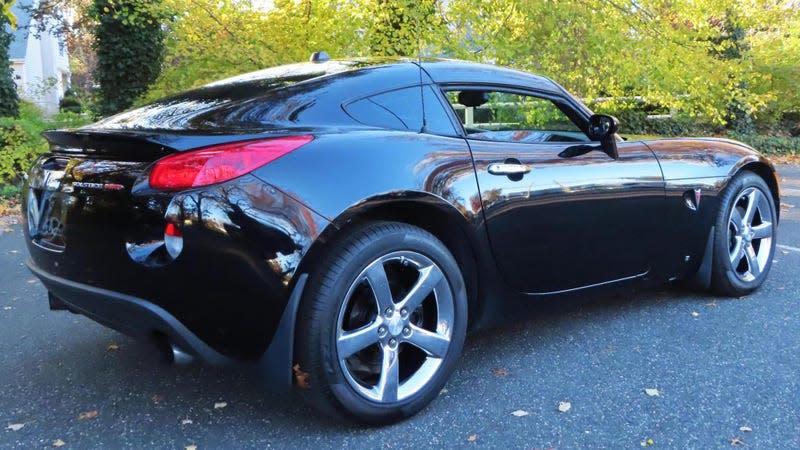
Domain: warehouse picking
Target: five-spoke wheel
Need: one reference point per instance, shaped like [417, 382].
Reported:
[745, 235]
[750, 230]
[395, 326]
[381, 324]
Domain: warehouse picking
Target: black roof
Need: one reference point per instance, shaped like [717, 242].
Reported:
[310, 93]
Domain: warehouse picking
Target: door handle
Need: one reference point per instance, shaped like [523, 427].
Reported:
[509, 169]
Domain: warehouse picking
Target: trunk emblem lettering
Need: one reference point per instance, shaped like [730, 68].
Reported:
[100, 186]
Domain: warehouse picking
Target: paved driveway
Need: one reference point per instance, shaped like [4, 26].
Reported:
[718, 365]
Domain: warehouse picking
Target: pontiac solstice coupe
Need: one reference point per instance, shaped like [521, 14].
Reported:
[343, 224]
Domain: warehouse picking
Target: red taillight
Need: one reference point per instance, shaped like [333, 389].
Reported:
[220, 163]
[172, 230]
[173, 240]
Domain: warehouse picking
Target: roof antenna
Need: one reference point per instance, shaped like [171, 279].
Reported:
[419, 64]
[320, 57]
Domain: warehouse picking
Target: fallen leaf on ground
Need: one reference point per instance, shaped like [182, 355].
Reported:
[186, 422]
[443, 391]
[87, 415]
[190, 447]
[472, 438]
[112, 347]
[647, 442]
[220, 405]
[520, 413]
[695, 313]
[59, 443]
[736, 441]
[652, 392]
[15, 426]
[300, 377]
[564, 406]
[745, 429]
[156, 398]
[499, 372]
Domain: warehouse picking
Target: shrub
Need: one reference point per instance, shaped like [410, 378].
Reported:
[632, 115]
[21, 141]
[70, 102]
[770, 145]
[9, 191]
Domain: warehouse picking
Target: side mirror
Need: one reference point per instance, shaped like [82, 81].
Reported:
[603, 128]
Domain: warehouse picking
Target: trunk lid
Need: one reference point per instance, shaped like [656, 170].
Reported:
[81, 192]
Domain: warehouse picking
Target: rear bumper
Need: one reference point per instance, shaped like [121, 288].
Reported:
[243, 242]
[138, 318]
[125, 313]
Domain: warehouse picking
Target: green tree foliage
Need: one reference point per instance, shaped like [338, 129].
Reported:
[722, 63]
[9, 101]
[719, 62]
[400, 27]
[699, 57]
[210, 39]
[129, 42]
[5, 11]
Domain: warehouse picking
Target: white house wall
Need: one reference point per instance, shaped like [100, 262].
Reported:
[45, 72]
[42, 74]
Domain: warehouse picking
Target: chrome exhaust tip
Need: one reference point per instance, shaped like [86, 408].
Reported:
[179, 356]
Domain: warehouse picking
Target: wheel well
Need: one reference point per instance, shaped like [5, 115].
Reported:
[766, 173]
[432, 219]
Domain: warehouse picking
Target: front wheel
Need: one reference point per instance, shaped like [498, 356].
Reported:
[744, 241]
[382, 324]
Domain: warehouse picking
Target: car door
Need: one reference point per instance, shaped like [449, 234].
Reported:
[560, 214]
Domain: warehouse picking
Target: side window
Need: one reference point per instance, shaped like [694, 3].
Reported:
[400, 109]
[508, 117]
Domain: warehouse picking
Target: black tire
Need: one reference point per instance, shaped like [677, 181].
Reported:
[726, 277]
[326, 385]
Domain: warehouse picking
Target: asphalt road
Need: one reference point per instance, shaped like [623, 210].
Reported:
[718, 365]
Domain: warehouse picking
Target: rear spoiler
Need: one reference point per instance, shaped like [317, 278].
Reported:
[113, 145]
[138, 145]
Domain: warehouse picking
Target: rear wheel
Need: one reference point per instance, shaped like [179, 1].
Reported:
[745, 236]
[381, 324]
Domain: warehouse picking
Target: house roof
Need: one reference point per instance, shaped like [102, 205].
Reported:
[19, 44]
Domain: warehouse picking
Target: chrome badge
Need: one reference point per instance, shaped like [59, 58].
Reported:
[51, 179]
[100, 186]
[692, 198]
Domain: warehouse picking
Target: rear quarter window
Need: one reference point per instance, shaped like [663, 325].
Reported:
[400, 109]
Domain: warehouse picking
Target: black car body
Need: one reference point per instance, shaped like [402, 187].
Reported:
[378, 141]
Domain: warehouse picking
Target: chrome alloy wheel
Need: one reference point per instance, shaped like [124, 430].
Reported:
[750, 231]
[395, 326]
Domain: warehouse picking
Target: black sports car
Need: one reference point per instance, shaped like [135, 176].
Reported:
[343, 224]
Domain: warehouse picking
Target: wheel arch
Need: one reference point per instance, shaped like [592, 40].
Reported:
[766, 171]
[424, 210]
